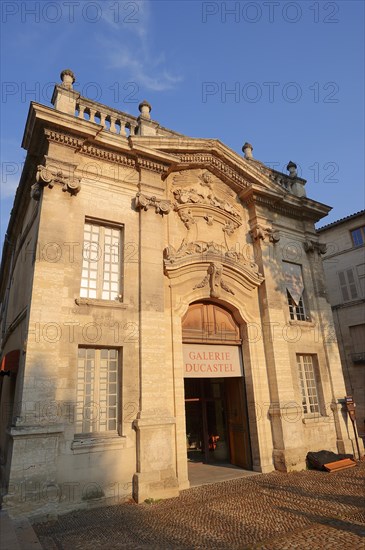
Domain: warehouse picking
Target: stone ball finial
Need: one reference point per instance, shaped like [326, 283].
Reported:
[145, 109]
[292, 169]
[68, 78]
[247, 149]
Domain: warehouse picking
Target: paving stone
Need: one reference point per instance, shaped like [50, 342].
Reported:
[275, 511]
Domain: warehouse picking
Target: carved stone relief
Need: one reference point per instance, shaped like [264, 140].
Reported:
[203, 249]
[143, 202]
[215, 281]
[48, 177]
[314, 246]
[187, 218]
[261, 233]
[192, 196]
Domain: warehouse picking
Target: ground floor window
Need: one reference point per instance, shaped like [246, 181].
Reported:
[97, 390]
[308, 385]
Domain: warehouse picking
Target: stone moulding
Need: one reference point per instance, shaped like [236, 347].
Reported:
[191, 197]
[200, 255]
[208, 159]
[144, 202]
[314, 246]
[48, 177]
[209, 214]
[215, 281]
[260, 232]
[65, 139]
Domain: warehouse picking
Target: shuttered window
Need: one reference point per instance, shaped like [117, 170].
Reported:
[347, 284]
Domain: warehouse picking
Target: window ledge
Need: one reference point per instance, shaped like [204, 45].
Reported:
[99, 303]
[315, 419]
[96, 444]
[309, 324]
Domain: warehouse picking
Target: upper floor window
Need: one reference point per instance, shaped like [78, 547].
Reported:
[358, 236]
[97, 390]
[101, 265]
[294, 291]
[357, 333]
[347, 284]
[308, 384]
[296, 311]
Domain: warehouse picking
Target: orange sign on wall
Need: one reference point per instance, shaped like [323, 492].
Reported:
[210, 361]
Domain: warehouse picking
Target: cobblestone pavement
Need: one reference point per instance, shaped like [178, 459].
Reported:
[273, 511]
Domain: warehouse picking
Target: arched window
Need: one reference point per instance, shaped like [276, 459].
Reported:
[208, 322]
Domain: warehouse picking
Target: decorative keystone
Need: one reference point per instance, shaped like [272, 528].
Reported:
[145, 109]
[215, 281]
[68, 78]
[247, 150]
[292, 169]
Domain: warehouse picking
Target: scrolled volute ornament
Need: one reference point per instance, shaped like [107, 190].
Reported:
[48, 177]
[311, 246]
[143, 202]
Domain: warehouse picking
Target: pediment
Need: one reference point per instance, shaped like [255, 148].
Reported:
[236, 171]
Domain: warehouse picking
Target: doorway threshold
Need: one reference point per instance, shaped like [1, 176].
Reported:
[206, 474]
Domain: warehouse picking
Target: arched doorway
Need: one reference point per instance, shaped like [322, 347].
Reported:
[217, 429]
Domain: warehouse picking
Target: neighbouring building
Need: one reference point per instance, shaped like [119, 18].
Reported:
[162, 301]
[344, 267]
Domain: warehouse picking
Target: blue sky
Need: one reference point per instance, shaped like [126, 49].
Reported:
[286, 76]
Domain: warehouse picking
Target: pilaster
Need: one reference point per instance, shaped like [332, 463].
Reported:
[155, 424]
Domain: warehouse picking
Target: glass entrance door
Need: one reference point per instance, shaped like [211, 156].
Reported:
[206, 423]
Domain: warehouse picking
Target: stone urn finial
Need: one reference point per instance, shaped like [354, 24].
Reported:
[292, 169]
[247, 150]
[145, 109]
[68, 78]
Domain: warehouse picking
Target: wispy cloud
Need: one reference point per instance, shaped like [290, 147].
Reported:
[8, 187]
[145, 66]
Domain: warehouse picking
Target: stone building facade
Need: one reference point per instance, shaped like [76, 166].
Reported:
[162, 299]
[344, 267]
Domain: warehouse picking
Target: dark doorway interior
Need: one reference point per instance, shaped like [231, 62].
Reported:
[216, 422]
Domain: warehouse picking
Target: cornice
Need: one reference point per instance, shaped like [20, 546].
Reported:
[284, 203]
[69, 140]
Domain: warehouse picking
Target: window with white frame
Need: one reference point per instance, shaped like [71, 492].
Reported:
[101, 265]
[294, 291]
[307, 382]
[347, 284]
[296, 311]
[97, 390]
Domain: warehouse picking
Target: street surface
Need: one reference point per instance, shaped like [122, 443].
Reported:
[276, 511]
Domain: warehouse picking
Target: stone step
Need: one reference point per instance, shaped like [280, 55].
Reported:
[17, 534]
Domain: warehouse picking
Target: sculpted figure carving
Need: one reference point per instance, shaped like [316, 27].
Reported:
[186, 196]
[187, 218]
